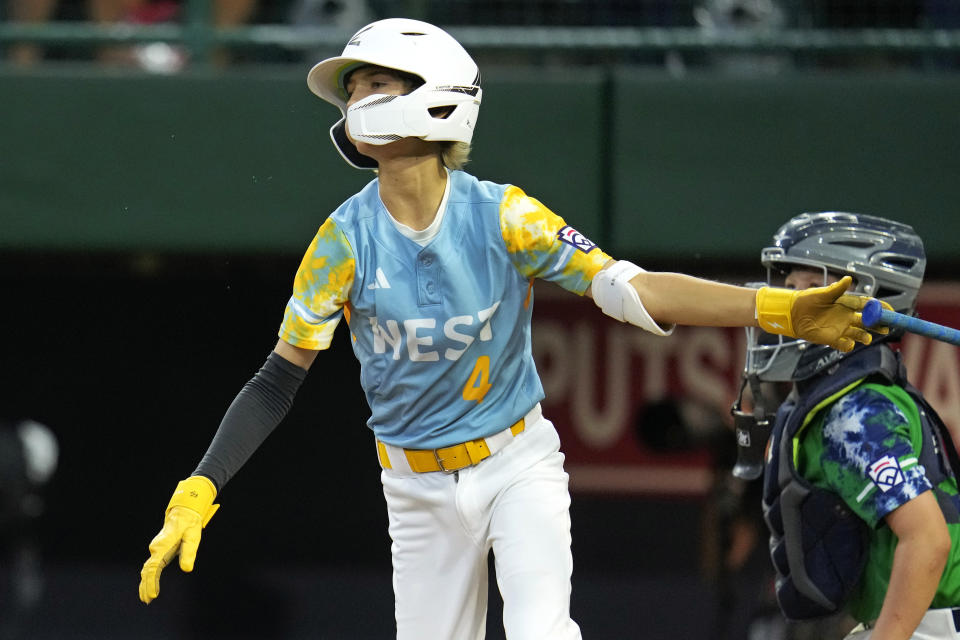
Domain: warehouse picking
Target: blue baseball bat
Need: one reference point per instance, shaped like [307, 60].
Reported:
[874, 313]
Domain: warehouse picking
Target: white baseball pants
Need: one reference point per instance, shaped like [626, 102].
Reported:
[936, 624]
[443, 526]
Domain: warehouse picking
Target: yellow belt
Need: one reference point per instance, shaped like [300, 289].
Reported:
[447, 459]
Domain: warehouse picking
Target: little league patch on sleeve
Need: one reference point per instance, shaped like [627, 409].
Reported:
[576, 239]
[885, 473]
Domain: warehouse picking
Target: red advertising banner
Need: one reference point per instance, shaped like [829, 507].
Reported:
[616, 392]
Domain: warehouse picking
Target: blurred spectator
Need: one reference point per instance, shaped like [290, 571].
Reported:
[162, 57]
[28, 11]
[28, 459]
[158, 57]
[348, 15]
[743, 17]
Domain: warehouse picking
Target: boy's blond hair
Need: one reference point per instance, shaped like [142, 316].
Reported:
[455, 155]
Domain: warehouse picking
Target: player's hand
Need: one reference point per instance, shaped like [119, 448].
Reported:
[817, 314]
[857, 303]
[188, 512]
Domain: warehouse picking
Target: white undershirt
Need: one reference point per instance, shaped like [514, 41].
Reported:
[424, 236]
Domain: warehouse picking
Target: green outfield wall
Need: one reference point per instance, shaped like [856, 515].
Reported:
[648, 164]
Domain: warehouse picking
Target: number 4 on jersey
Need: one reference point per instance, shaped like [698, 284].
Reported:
[479, 382]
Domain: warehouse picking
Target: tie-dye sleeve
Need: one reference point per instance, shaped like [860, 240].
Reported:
[542, 245]
[320, 290]
[870, 451]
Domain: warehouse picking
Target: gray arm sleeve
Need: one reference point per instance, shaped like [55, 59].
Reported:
[252, 416]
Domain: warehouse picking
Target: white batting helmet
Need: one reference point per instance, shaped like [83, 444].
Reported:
[450, 89]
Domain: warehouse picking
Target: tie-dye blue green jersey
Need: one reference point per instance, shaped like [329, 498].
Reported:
[865, 448]
[442, 331]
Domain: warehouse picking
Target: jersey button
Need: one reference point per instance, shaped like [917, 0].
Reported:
[430, 287]
[426, 261]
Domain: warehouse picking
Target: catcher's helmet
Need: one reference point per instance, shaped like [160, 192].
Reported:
[885, 258]
[450, 89]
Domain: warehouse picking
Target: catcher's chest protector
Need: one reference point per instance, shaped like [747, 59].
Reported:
[817, 543]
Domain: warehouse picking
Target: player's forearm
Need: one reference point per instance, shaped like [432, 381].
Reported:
[254, 414]
[918, 563]
[674, 298]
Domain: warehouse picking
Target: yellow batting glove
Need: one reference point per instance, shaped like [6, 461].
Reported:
[820, 314]
[857, 303]
[188, 512]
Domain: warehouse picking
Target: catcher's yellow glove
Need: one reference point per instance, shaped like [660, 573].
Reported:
[821, 314]
[188, 512]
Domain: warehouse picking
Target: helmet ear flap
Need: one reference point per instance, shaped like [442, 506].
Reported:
[338, 133]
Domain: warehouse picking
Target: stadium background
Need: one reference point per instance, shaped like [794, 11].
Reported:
[152, 221]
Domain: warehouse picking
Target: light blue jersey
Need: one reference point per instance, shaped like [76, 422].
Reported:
[442, 331]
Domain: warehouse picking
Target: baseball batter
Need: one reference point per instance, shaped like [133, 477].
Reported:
[432, 270]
